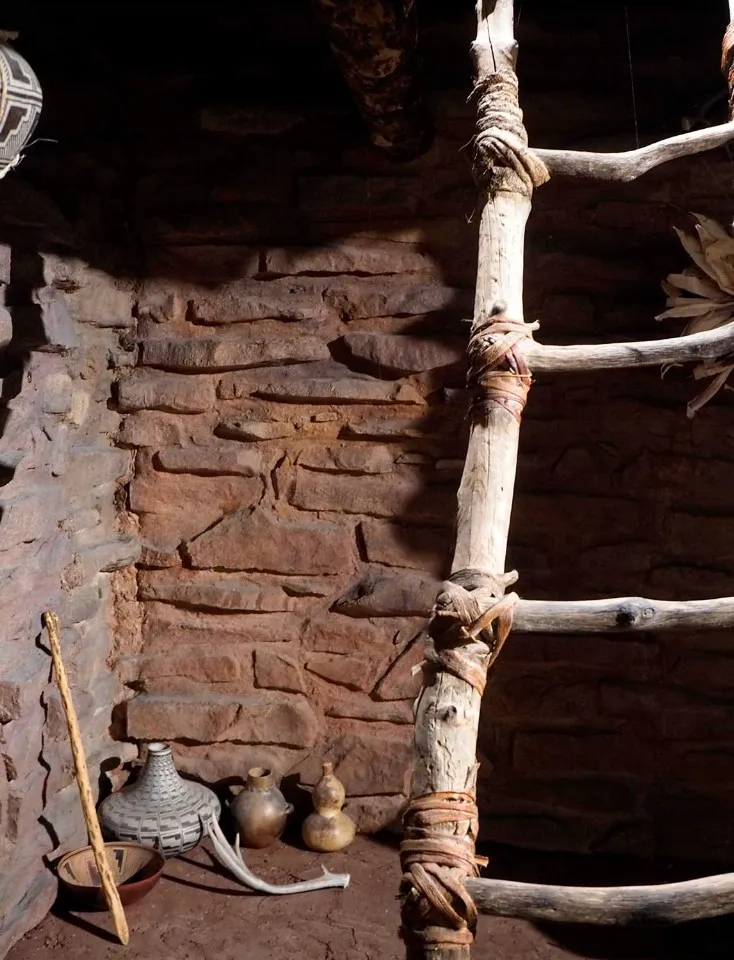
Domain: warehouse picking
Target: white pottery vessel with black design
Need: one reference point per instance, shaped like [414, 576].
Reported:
[161, 809]
[21, 100]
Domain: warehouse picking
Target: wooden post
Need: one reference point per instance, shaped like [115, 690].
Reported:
[437, 854]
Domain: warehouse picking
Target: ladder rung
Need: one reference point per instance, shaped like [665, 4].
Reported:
[707, 345]
[656, 904]
[621, 614]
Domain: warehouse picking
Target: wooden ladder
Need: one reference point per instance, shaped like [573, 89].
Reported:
[441, 892]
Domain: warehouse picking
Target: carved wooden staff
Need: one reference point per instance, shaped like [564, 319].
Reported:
[106, 876]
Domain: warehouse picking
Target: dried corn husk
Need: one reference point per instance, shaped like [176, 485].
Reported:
[703, 294]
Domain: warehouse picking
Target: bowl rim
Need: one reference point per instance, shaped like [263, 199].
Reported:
[155, 855]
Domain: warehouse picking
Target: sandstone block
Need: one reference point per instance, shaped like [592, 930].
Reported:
[396, 711]
[400, 494]
[389, 356]
[209, 354]
[165, 627]
[150, 428]
[228, 762]
[24, 519]
[354, 672]
[275, 670]
[247, 300]
[255, 540]
[57, 390]
[201, 663]
[399, 682]
[211, 263]
[400, 546]
[351, 256]
[332, 633]
[361, 298]
[212, 592]
[371, 766]
[93, 465]
[261, 718]
[389, 595]
[108, 555]
[170, 392]
[191, 503]
[100, 300]
[210, 461]
[395, 429]
[306, 389]
[159, 557]
[350, 458]
[377, 814]
[255, 429]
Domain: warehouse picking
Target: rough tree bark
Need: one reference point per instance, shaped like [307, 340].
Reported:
[440, 825]
[375, 44]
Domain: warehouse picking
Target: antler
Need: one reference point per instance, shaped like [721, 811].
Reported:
[231, 859]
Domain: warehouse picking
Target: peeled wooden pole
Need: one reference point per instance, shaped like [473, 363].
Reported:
[607, 906]
[109, 888]
[437, 853]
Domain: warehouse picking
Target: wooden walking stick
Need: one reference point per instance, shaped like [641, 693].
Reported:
[109, 888]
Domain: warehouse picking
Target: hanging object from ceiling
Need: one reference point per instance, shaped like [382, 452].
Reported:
[21, 100]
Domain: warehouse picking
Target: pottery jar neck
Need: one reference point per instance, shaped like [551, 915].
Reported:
[260, 779]
[159, 773]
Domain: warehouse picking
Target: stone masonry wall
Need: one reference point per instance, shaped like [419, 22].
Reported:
[299, 424]
[60, 543]
[210, 267]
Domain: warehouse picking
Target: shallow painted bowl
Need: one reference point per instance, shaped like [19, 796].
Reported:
[137, 870]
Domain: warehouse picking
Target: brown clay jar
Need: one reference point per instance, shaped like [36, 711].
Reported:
[260, 810]
[328, 828]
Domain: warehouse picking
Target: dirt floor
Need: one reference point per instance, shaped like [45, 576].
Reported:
[197, 913]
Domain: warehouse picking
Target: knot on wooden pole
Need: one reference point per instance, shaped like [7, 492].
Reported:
[435, 865]
[498, 373]
[471, 621]
[501, 139]
[472, 606]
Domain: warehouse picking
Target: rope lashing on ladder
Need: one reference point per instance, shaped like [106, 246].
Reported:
[473, 601]
[501, 142]
[436, 864]
[498, 373]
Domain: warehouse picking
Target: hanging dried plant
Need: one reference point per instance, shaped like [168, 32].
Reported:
[704, 295]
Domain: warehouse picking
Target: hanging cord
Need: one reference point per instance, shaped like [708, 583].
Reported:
[632, 76]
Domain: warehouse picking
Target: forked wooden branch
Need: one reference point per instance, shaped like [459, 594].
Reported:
[631, 164]
[621, 614]
[609, 906]
[707, 345]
